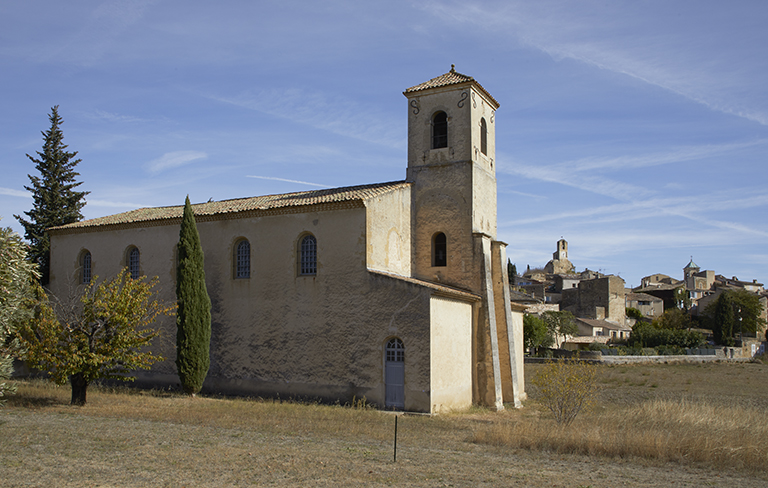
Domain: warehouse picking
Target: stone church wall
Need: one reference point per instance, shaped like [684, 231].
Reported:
[277, 332]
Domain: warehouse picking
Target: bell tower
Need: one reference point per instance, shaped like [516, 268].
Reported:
[452, 168]
[451, 161]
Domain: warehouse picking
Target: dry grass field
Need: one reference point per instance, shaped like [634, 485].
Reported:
[654, 425]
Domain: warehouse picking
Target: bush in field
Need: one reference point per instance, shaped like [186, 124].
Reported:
[670, 351]
[566, 388]
[648, 335]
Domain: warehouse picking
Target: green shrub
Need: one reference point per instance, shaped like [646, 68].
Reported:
[670, 350]
[646, 335]
[634, 313]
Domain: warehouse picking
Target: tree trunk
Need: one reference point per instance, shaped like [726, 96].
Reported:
[79, 388]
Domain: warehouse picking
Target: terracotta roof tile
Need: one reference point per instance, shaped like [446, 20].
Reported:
[450, 78]
[223, 207]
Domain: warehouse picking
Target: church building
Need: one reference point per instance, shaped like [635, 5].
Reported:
[394, 292]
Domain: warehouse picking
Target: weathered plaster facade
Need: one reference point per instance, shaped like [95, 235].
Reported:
[325, 334]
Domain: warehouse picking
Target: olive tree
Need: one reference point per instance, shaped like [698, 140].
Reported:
[17, 275]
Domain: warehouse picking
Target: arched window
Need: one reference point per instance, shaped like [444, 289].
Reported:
[243, 259]
[394, 371]
[439, 250]
[133, 262]
[308, 255]
[483, 137]
[439, 130]
[85, 268]
[395, 350]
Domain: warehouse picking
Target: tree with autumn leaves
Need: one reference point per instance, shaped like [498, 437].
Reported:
[102, 333]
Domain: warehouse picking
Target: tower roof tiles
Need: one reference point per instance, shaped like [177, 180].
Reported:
[452, 77]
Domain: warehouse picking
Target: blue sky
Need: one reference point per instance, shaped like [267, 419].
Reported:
[637, 130]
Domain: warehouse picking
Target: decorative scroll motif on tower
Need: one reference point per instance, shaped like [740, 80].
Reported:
[415, 105]
[464, 96]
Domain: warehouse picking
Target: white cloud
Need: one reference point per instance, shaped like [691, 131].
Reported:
[174, 160]
[335, 114]
[112, 117]
[15, 193]
[689, 53]
[286, 180]
[673, 156]
[109, 203]
[100, 32]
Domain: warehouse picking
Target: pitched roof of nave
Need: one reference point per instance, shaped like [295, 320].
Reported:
[438, 287]
[452, 77]
[226, 208]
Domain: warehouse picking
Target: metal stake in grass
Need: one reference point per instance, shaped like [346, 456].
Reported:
[395, 454]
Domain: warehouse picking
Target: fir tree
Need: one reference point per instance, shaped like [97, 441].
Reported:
[193, 318]
[55, 200]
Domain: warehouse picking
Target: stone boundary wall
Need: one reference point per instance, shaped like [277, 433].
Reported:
[692, 358]
[644, 359]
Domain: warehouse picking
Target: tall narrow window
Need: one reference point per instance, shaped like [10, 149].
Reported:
[394, 371]
[483, 137]
[439, 130]
[243, 259]
[308, 256]
[85, 268]
[439, 250]
[133, 263]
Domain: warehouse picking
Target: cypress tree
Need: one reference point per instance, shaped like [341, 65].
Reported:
[193, 316]
[512, 272]
[724, 319]
[55, 200]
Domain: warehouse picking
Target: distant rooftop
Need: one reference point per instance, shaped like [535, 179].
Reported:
[644, 297]
[691, 265]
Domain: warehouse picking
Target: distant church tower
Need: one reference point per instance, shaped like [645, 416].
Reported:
[690, 269]
[451, 163]
[562, 250]
[560, 263]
